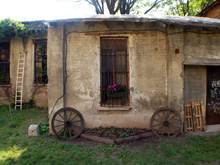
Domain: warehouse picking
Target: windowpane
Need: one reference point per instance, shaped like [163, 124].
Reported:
[40, 62]
[4, 63]
[114, 71]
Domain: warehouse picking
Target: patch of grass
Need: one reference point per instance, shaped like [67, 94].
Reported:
[16, 147]
[107, 149]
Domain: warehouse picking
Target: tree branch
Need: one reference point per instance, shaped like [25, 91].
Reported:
[156, 2]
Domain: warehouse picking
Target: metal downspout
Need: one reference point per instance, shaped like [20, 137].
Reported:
[64, 65]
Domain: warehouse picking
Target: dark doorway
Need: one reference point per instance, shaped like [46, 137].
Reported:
[213, 95]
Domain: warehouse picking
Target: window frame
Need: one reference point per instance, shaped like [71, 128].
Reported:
[37, 80]
[126, 73]
[7, 73]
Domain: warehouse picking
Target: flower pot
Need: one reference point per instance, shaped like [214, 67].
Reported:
[117, 94]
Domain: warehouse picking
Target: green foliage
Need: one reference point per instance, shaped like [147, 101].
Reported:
[174, 7]
[10, 28]
[115, 132]
[44, 127]
[30, 103]
[186, 8]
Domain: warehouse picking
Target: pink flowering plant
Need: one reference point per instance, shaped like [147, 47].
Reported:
[116, 88]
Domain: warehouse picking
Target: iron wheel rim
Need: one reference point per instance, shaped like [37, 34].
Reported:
[67, 123]
[166, 122]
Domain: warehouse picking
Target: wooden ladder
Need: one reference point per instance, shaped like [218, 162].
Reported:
[20, 80]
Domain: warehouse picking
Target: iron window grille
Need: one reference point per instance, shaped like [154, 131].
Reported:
[114, 69]
[40, 61]
[4, 63]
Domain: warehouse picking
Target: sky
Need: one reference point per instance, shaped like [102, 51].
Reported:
[26, 10]
[29, 10]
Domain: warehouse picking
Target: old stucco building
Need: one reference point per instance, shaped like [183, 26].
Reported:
[164, 62]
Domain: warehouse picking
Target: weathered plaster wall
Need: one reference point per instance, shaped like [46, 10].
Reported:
[148, 72]
[55, 67]
[18, 45]
[175, 75]
[202, 49]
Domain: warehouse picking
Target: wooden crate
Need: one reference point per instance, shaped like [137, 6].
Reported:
[188, 118]
[194, 114]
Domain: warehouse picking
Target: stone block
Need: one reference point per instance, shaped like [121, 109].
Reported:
[33, 130]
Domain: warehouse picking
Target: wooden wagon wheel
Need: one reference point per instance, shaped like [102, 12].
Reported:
[67, 123]
[166, 123]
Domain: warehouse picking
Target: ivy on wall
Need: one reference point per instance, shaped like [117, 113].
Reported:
[10, 28]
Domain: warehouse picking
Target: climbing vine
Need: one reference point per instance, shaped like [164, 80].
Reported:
[11, 28]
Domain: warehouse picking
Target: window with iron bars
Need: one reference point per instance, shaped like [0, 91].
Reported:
[114, 72]
[40, 61]
[4, 63]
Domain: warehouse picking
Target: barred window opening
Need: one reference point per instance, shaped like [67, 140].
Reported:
[4, 63]
[114, 72]
[40, 61]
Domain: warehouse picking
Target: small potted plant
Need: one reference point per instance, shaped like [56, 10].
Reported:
[117, 91]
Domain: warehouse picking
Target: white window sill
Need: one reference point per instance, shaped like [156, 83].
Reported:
[127, 108]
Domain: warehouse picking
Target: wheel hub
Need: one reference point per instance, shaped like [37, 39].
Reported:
[68, 124]
[166, 123]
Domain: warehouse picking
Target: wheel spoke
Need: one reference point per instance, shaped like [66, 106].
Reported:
[70, 115]
[156, 125]
[174, 120]
[70, 132]
[61, 116]
[75, 126]
[76, 121]
[173, 125]
[59, 121]
[73, 118]
[60, 130]
[163, 132]
[159, 129]
[160, 116]
[164, 115]
[59, 125]
[169, 131]
[157, 120]
[172, 117]
[65, 118]
[168, 115]
[65, 131]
